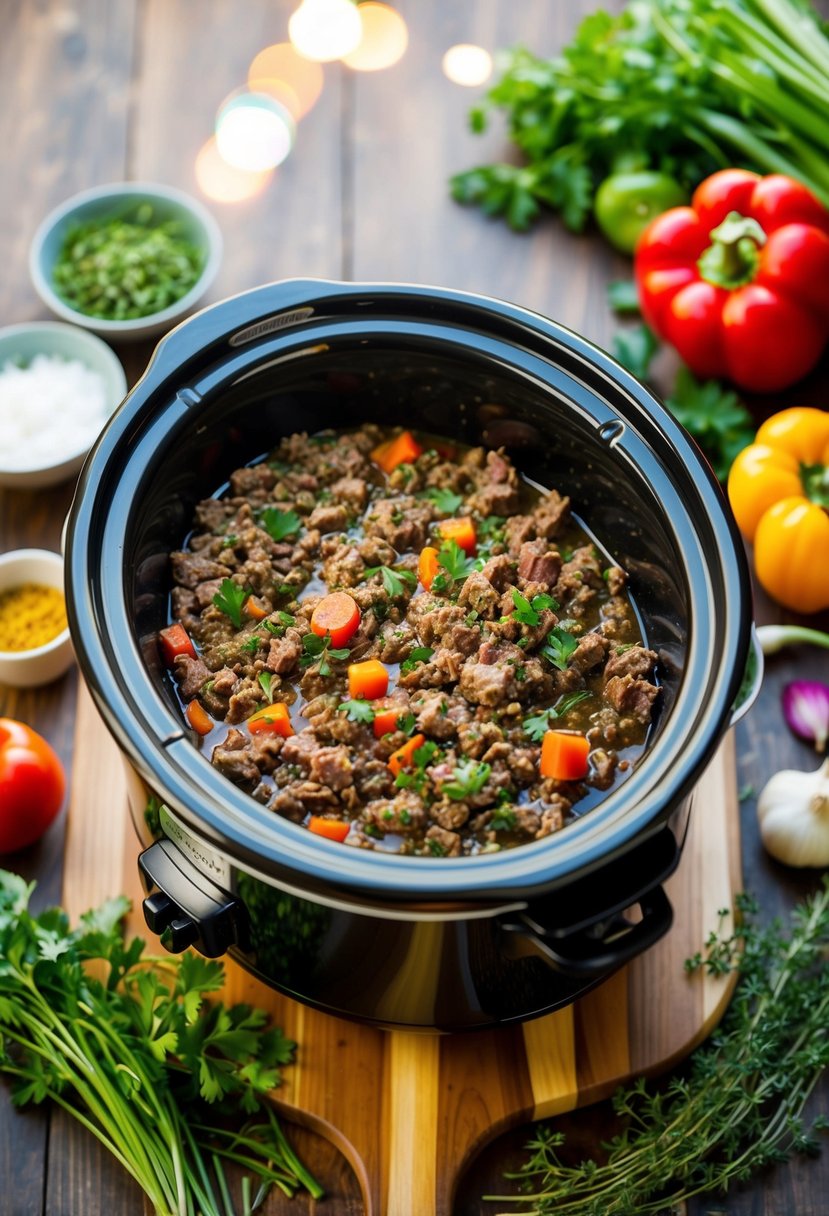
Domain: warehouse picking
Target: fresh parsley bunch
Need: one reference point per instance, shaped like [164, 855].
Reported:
[131, 1049]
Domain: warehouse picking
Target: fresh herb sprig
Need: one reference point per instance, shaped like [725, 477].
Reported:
[416, 777]
[456, 565]
[229, 599]
[468, 778]
[446, 501]
[357, 710]
[740, 1106]
[420, 654]
[536, 725]
[319, 650]
[393, 580]
[131, 1050]
[559, 646]
[528, 612]
[279, 525]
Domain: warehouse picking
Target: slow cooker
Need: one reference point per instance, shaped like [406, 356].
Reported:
[403, 941]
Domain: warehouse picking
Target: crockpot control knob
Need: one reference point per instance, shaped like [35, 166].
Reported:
[185, 907]
[159, 910]
[181, 932]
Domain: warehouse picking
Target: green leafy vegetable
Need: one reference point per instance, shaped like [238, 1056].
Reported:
[503, 819]
[715, 417]
[266, 680]
[319, 650]
[446, 501]
[456, 564]
[393, 580]
[738, 1108]
[681, 87]
[468, 778]
[280, 524]
[407, 722]
[229, 599]
[417, 779]
[420, 654]
[357, 710]
[635, 348]
[130, 1048]
[558, 646]
[529, 612]
[537, 724]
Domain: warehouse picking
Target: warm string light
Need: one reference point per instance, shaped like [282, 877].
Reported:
[467, 64]
[254, 131]
[324, 30]
[222, 183]
[384, 41]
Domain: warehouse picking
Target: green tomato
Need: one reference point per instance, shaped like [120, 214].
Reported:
[625, 204]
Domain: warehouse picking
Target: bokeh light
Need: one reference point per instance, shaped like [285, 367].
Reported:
[467, 64]
[384, 41]
[254, 131]
[222, 183]
[323, 30]
[294, 81]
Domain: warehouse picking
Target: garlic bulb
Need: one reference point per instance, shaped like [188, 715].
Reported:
[793, 812]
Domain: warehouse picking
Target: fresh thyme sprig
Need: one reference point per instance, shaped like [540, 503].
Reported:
[740, 1105]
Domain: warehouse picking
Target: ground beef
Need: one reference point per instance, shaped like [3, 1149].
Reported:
[531, 630]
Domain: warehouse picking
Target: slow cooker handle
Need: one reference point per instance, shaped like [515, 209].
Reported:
[598, 949]
[240, 320]
[184, 908]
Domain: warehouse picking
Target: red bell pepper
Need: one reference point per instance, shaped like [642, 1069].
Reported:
[738, 282]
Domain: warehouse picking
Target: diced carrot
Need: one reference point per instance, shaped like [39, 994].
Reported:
[369, 679]
[273, 718]
[385, 721]
[402, 450]
[427, 566]
[402, 758]
[199, 718]
[336, 616]
[255, 611]
[462, 531]
[333, 829]
[174, 640]
[564, 755]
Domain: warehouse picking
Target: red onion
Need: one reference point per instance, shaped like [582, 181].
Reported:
[806, 710]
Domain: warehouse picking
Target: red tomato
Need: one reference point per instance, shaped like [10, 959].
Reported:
[32, 785]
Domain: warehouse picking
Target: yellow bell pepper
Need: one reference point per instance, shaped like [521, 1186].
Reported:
[778, 488]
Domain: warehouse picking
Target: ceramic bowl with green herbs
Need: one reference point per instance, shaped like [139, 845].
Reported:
[127, 260]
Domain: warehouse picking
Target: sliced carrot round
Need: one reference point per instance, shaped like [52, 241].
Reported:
[274, 719]
[369, 679]
[336, 616]
[199, 718]
[461, 531]
[427, 566]
[333, 829]
[564, 755]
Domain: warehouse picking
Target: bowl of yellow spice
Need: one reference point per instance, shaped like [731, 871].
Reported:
[34, 635]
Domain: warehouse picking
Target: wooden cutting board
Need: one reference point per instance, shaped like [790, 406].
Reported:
[410, 1110]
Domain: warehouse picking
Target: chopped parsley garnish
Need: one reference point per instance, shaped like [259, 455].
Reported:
[503, 819]
[266, 679]
[537, 724]
[407, 722]
[317, 648]
[421, 757]
[436, 848]
[357, 710]
[229, 599]
[490, 526]
[280, 524]
[456, 564]
[392, 579]
[420, 654]
[558, 647]
[528, 612]
[469, 778]
[230, 541]
[251, 645]
[446, 501]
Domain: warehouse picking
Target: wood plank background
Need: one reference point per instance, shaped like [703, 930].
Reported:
[97, 90]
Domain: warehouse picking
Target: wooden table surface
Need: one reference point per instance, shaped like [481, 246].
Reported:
[93, 91]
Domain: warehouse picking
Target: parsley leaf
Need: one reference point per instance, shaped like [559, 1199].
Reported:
[503, 819]
[529, 613]
[635, 348]
[468, 778]
[266, 679]
[392, 579]
[280, 524]
[536, 725]
[446, 501]
[558, 647]
[316, 648]
[456, 563]
[417, 779]
[407, 722]
[420, 654]
[714, 415]
[357, 710]
[251, 645]
[229, 599]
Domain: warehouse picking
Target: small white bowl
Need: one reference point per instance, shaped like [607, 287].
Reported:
[20, 343]
[29, 668]
[102, 203]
